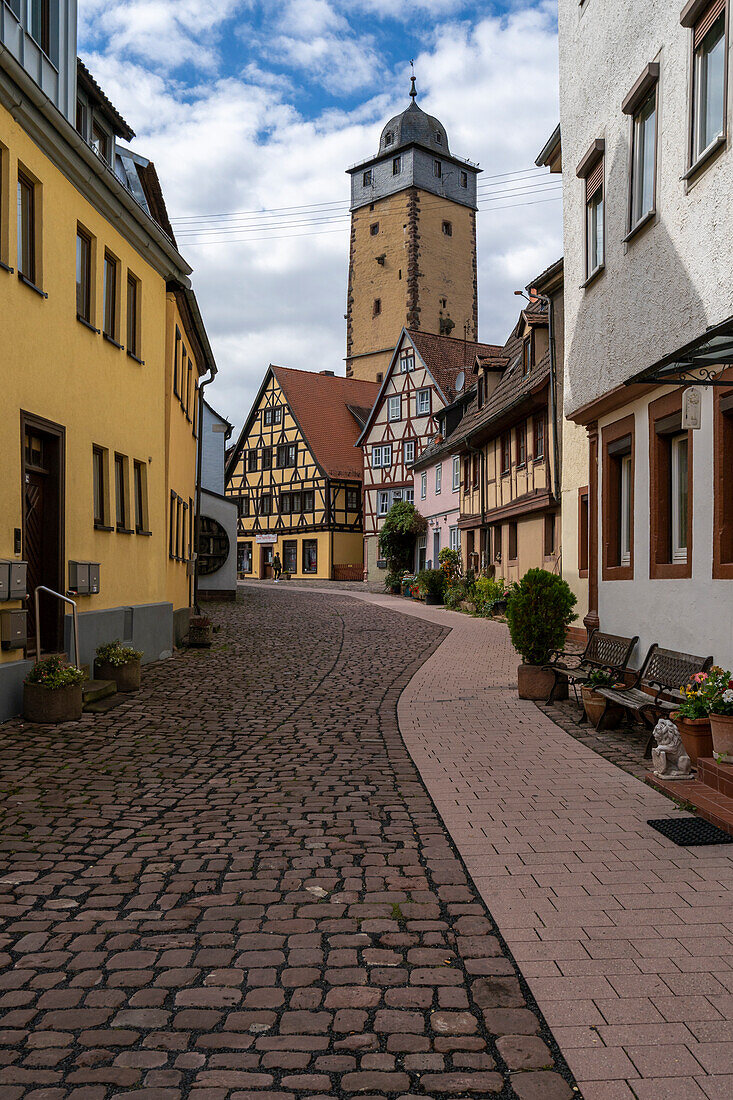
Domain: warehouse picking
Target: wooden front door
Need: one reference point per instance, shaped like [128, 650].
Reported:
[266, 555]
[43, 528]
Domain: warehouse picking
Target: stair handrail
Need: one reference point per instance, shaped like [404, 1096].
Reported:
[75, 618]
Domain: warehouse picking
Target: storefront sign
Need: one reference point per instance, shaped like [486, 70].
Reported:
[266, 540]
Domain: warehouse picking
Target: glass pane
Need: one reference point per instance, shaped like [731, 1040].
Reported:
[644, 156]
[110, 296]
[98, 496]
[681, 509]
[132, 316]
[710, 78]
[26, 257]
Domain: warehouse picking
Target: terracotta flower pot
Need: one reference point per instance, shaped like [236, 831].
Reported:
[721, 726]
[125, 677]
[696, 736]
[534, 682]
[593, 704]
[52, 705]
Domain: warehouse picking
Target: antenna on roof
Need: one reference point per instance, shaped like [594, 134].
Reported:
[413, 91]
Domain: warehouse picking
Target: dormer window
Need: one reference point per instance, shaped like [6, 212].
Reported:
[100, 142]
[388, 137]
[526, 356]
[438, 138]
[366, 180]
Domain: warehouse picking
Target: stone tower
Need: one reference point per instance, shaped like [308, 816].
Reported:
[412, 259]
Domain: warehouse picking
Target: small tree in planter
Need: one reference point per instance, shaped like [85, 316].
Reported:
[119, 663]
[539, 612]
[433, 583]
[402, 524]
[52, 692]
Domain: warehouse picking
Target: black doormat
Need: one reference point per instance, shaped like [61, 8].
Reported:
[690, 831]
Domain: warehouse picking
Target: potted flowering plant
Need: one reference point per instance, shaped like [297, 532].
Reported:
[717, 691]
[119, 663]
[593, 703]
[692, 718]
[393, 582]
[433, 583]
[52, 692]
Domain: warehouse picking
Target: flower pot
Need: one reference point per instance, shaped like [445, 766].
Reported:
[534, 681]
[200, 633]
[721, 726]
[696, 736]
[125, 677]
[52, 705]
[498, 607]
[593, 705]
[395, 589]
[433, 601]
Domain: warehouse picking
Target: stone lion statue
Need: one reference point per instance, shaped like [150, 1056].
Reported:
[669, 759]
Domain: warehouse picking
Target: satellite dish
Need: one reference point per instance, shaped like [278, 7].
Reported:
[460, 381]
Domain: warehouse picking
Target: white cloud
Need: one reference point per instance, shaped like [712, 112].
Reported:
[241, 143]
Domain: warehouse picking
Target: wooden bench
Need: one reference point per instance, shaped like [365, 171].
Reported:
[663, 673]
[604, 652]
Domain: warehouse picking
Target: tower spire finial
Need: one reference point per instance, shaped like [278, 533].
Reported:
[413, 90]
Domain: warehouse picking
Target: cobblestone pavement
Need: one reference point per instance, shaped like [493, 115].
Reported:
[236, 886]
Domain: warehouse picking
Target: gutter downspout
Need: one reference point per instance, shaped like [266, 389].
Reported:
[482, 504]
[553, 397]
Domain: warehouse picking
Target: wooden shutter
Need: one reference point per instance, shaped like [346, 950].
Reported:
[594, 180]
[706, 21]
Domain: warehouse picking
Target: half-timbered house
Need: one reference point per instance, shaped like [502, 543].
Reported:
[296, 476]
[509, 443]
[425, 374]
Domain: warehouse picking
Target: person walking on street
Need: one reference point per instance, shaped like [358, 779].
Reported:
[277, 567]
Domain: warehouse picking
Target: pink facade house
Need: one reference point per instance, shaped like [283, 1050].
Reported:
[437, 485]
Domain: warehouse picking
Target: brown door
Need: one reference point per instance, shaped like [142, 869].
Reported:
[265, 562]
[42, 528]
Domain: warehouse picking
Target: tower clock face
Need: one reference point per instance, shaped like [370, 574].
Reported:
[213, 548]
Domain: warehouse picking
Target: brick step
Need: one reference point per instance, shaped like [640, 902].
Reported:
[716, 775]
[709, 803]
[101, 706]
[92, 691]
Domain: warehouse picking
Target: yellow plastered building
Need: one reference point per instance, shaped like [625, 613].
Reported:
[102, 347]
[296, 475]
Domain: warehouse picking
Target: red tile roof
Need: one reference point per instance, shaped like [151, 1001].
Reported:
[446, 356]
[319, 402]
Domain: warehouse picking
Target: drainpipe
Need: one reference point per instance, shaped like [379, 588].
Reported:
[482, 504]
[553, 389]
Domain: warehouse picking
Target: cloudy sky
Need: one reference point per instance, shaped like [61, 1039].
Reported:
[253, 109]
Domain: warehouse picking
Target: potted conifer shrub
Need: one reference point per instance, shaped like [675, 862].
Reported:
[119, 663]
[539, 612]
[52, 692]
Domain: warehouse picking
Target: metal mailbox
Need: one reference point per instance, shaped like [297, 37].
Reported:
[79, 577]
[4, 580]
[93, 577]
[13, 629]
[18, 579]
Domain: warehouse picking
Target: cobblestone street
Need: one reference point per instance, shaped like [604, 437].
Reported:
[235, 885]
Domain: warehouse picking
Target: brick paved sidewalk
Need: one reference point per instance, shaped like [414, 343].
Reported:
[235, 886]
[625, 939]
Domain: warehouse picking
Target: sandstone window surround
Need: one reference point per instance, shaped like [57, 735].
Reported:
[591, 169]
[617, 505]
[670, 489]
[708, 24]
[642, 107]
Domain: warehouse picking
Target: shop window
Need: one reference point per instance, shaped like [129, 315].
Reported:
[618, 500]
[290, 556]
[722, 491]
[310, 556]
[244, 557]
[670, 489]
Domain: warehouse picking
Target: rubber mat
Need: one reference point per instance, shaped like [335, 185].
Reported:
[690, 832]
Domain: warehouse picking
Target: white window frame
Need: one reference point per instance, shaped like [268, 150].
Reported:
[408, 452]
[423, 485]
[383, 505]
[381, 456]
[679, 445]
[595, 245]
[419, 395]
[407, 360]
[642, 128]
[454, 539]
[394, 402]
[456, 473]
[626, 518]
[701, 88]
[438, 478]
[408, 495]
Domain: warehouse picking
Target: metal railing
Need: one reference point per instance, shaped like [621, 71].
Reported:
[75, 617]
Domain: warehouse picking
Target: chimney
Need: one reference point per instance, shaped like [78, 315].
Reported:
[329, 373]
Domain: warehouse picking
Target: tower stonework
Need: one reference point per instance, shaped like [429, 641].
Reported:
[412, 260]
